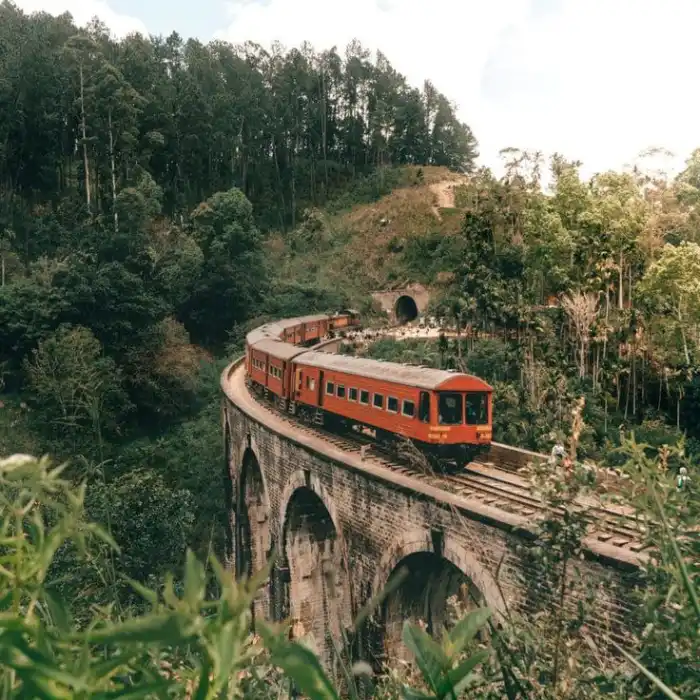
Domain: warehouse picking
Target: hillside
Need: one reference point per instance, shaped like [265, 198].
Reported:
[369, 245]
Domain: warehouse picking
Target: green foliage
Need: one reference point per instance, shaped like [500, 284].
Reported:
[446, 670]
[202, 118]
[230, 283]
[672, 283]
[670, 645]
[186, 643]
[76, 392]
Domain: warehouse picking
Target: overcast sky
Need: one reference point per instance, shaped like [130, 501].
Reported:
[597, 80]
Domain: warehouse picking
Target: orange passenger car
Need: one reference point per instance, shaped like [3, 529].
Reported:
[447, 414]
[270, 366]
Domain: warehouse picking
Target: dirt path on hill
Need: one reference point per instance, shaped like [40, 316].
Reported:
[444, 192]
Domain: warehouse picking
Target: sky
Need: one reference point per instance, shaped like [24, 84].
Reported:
[596, 80]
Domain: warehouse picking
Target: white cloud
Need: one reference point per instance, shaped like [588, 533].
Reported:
[598, 80]
[84, 10]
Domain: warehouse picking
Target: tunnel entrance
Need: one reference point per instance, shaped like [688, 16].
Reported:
[434, 591]
[405, 309]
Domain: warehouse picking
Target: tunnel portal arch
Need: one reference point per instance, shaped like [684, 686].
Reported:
[405, 309]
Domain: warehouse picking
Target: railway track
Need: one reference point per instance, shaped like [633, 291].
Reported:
[484, 482]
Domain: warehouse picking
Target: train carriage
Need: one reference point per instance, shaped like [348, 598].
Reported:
[446, 413]
[272, 366]
[314, 327]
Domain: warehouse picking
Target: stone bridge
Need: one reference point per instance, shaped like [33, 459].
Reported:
[403, 305]
[342, 524]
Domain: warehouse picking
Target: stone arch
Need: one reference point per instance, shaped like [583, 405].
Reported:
[300, 479]
[253, 534]
[314, 558]
[432, 577]
[405, 309]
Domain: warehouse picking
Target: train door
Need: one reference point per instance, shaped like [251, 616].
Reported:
[320, 395]
[298, 382]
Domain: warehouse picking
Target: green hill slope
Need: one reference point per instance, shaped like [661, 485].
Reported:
[373, 245]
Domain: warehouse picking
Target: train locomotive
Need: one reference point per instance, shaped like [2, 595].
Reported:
[447, 415]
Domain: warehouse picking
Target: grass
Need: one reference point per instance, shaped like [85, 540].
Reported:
[362, 247]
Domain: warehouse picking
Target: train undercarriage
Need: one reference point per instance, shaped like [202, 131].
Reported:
[438, 458]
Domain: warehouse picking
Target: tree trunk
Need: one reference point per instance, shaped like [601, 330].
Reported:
[629, 289]
[634, 380]
[620, 290]
[324, 131]
[685, 340]
[83, 127]
[114, 173]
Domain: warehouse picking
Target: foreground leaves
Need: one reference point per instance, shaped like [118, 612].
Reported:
[446, 670]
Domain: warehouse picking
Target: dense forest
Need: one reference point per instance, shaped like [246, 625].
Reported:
[138, 180]
[84, 117]
[589, 289]
[159, 196]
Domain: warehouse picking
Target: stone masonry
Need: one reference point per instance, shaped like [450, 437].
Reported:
[339, 534]
[391, 301]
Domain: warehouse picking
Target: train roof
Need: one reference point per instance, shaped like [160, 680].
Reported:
[305, 319]
[420, 377]
[278, 349]
[270, 331]
[274, 329]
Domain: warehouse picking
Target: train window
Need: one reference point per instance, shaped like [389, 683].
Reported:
[409, 409]
[424, 407]
[392, 404]
[364, 397]
[330, 388]
[310, 383]
[341, 391]
[352, 394]
[450, 408]
[477, 408]
[378, 401]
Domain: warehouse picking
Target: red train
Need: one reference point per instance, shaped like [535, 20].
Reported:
[446, 414]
